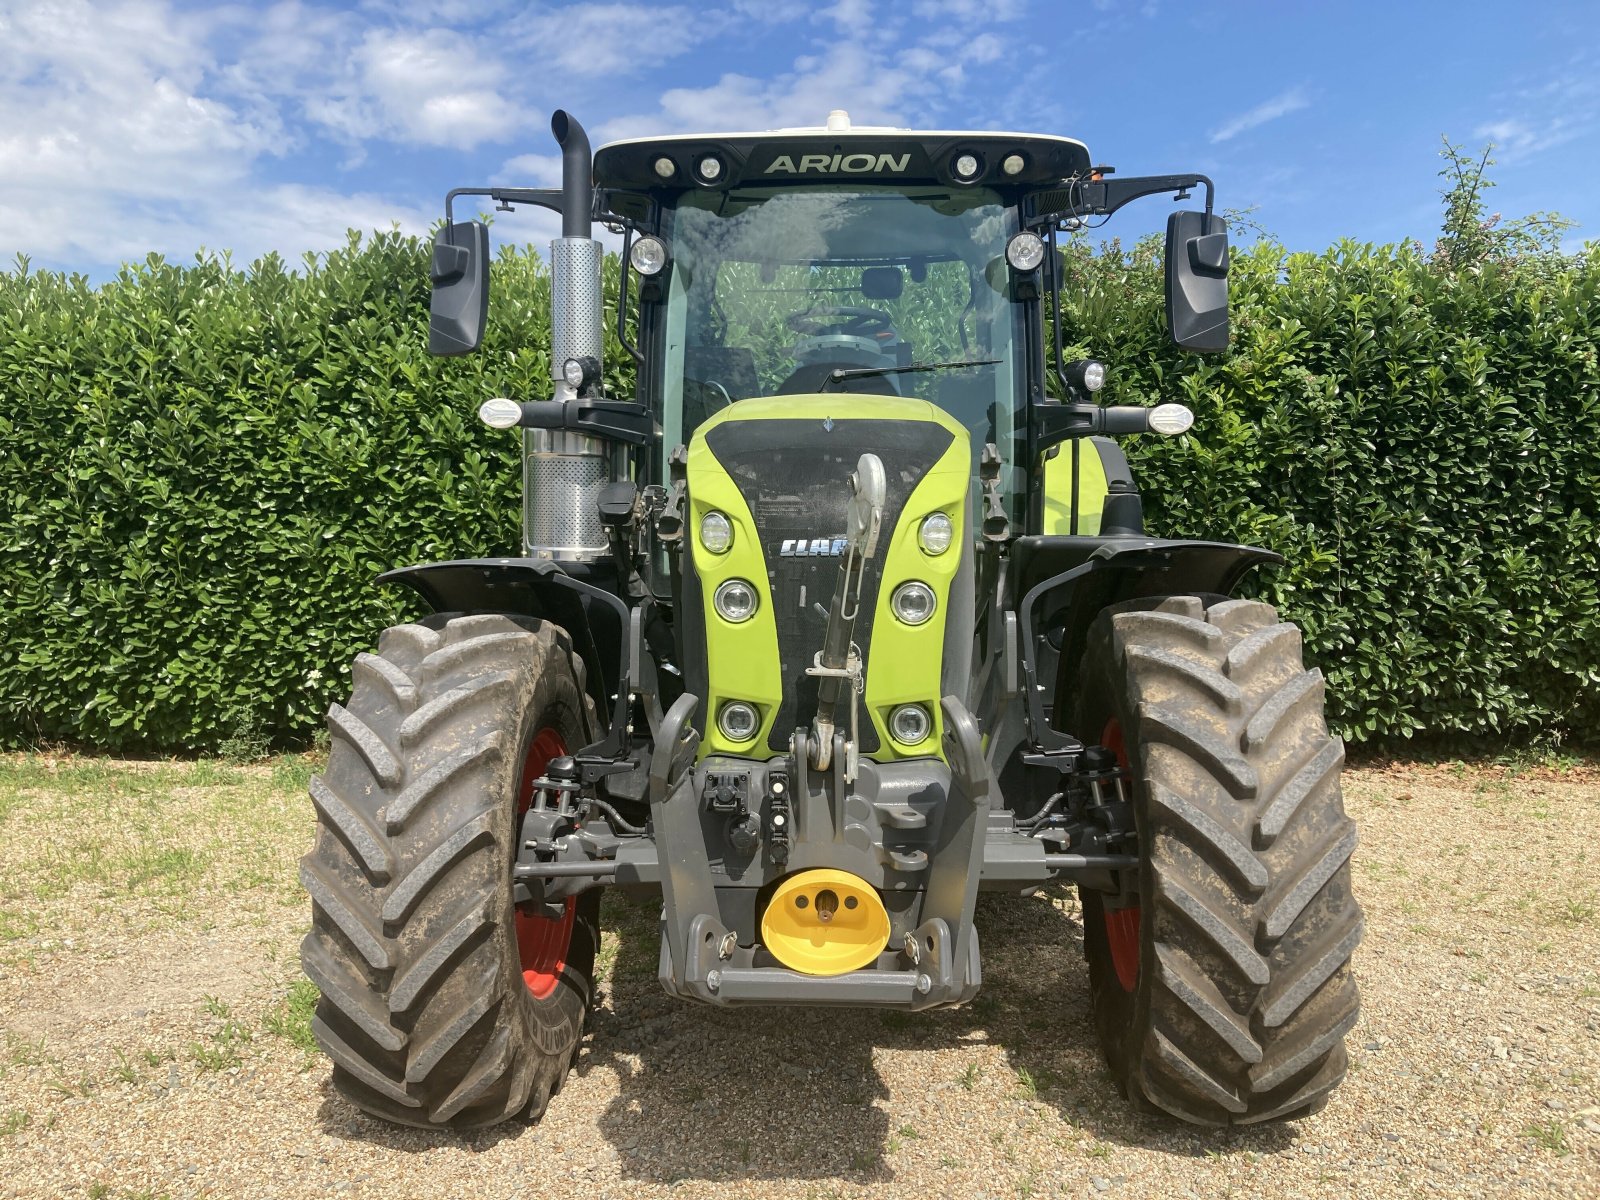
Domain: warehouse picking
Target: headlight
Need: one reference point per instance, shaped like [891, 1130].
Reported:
[736, 600]
[966, 166]
[738, 721]
[1087, 374]
[936, 533]
[579, 372]
[910, 724]
[716, 534]
[1025, 251]
[648, 255]
[1013, 164]
[665, 167]
[913, 603]
[710, 168]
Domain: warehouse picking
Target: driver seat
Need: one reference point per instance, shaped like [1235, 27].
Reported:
[812, 377]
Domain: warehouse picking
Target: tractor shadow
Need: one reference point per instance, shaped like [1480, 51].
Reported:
[783, 1094]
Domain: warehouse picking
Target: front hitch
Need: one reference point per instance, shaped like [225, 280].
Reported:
[839, 661]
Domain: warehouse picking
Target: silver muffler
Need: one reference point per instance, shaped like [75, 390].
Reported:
[562, 471]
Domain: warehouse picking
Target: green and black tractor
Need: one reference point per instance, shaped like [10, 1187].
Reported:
[847, 614]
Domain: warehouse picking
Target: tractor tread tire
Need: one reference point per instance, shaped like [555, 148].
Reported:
[1244, 993]
[423, 1011]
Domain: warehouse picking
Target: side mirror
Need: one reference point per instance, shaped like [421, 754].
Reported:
[1197, 280]
[460, 273]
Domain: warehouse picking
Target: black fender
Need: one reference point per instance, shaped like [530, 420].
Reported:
[1063, 583]
[596, 619]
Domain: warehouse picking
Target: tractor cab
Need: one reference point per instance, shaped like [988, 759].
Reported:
[843, 260]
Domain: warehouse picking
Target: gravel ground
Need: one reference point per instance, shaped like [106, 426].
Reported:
[154, 1033]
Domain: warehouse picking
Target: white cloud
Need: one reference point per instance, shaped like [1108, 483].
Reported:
[971, 11]
[851, 16]
[1280, 105]
[1563, 105]
[530, 170]
[289, 218]
[610, 39]
[985, 48]
[124, 134]
[112, 100]
[874, 87]
[430, 87]
[1518, 137]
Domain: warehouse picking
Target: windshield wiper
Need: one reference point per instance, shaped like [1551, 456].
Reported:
[840, 374]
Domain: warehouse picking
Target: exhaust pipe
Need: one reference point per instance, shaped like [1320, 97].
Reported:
[563, 471]
[576, 329]
[577, 166]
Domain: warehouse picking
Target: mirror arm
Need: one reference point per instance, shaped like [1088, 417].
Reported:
[1103, 197]
[1056, 423]
[624, 421]
[504, 198]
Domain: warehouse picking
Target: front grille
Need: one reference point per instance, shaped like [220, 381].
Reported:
[794, 476]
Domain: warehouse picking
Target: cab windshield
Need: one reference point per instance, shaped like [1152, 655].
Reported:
[772, 293]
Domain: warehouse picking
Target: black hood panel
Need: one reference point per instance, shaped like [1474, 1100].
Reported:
[794, 476]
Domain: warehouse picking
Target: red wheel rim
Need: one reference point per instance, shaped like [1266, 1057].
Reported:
[1122, 924]
[542, 942]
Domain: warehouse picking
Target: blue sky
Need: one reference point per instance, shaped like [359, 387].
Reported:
[148, 125]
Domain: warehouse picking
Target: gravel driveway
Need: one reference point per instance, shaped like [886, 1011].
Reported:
[154, 1032]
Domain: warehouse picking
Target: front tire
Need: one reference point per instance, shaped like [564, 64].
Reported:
[441, 1005]
[1220, 980]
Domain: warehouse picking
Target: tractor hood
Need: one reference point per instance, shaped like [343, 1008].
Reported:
[777, 470]
[838, 152]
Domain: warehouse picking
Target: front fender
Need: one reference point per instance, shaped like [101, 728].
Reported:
[1060, 584]
[596, 620]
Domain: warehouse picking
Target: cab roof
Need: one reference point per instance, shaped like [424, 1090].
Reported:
[836, 152]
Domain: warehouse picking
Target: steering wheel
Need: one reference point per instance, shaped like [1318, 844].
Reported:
[846, 320]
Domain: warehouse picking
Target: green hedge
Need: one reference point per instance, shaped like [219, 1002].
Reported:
[1422, 445]
[204, 467]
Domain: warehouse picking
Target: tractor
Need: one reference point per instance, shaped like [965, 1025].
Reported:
[847, 614]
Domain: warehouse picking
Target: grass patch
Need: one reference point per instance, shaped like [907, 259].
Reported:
[177, 836]
[17, 924]
[15, 1121]
[222, 1049]
[293, 774]
[124, 1071]
[1552, 1135]
[23, 1052]
[290, 1018]
[1580, 911]
[70, 1088]
[160, 868]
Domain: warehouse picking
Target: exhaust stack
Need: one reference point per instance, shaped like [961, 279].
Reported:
[576, 330]
[562, 471]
